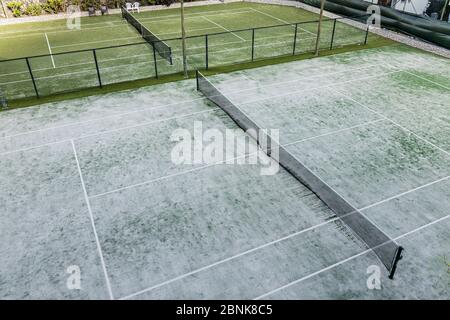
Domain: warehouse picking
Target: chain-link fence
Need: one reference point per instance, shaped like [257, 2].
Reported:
[70, 71]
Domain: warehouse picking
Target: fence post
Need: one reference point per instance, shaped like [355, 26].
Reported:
[332, 35]
[295, 39]
[32, 77]
[154, 60]
[206, 52]
[367, 35]
[96, 66]
[253, 44]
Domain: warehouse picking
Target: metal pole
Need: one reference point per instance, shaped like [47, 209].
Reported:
[32, 77]
[196, 78]
[156, 63]
[183, 40]
[206, 52]
[96, 66]
[443, 10]
[332, 35]
[319, 27]
[367, 35]
[295, 39]
[253, 44]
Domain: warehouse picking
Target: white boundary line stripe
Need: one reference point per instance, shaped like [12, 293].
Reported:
[91, 217]
[220, 162]
[284, 21]
[50, 50]
[97, 41]
[202, 98]
[270, 243]
[118, 23]
[420, 77]
[109, 131]
[229, 258]
[404, 193]
[392, 121]
[248, 102]
[196, 16]
[102, 118]
[290, 284]
[209, 20]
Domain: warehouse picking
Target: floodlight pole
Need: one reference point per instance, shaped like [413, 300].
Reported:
[319, 27]
[183, 40]
[443, 10]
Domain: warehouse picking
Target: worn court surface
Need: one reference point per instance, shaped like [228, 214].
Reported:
[65, 68]
[91, 183]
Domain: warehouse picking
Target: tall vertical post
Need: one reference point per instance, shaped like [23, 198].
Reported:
[183, 40]
[367, 35]
[32, 77]
[332, 34]
[206, 52]
[319, 27]
[253, 44]
[96, 66]
[295, 39]
[156, 63]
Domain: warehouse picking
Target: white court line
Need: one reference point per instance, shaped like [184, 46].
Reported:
[111, 131]
[290, 284]
[180, 277]
[114, 24]
[220, 26]
[97, 41]
[202, 98]
[191, 17]
[91, 217]
[392, 121]
[284, 21]
[50, 50]
[220, 162]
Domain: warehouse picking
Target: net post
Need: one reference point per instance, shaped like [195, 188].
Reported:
[398, 256]
[332, 34]
[32, 77]
[170, 56]
[96, 66]
[295, 39]
[196, 79]
[367, 35]
[253, 44]
[155, 62]
[206, 52]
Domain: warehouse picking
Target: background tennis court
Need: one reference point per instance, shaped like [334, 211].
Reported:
[90, 182]
[112, 51]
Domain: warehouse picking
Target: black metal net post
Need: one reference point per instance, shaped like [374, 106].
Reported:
[332, 34]
[96, 67]
[295, 39]
[367, 35]
[206, 52]
[32, 77]
[155, 62]
[253, 44]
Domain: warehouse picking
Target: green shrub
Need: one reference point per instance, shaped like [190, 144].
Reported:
[33, 9]
[16, 8]
[53, 6]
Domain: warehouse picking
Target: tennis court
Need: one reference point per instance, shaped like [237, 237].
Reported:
[91, 183]
[108, 50]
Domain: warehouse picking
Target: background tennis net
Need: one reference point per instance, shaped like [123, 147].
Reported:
[384, 247]
[160, 46]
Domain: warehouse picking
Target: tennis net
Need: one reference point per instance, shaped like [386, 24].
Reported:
[160, 46]
[385, 248]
